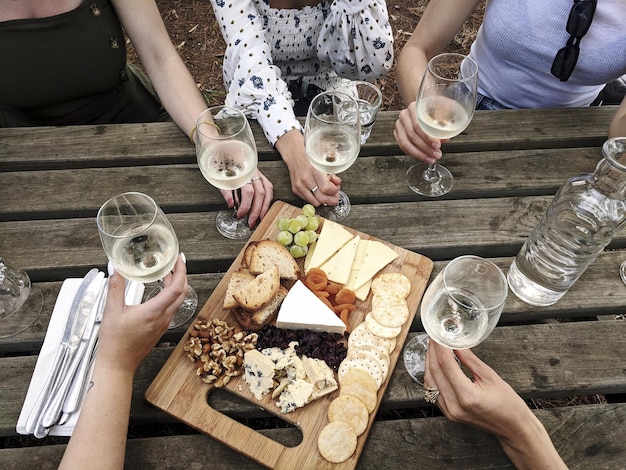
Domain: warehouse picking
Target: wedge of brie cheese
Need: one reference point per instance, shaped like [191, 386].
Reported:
[302, 309]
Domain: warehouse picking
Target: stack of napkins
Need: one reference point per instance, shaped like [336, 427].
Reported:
[49, 348]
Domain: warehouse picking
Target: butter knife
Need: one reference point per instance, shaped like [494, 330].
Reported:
[68, 367]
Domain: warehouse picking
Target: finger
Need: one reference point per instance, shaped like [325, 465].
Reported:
[479, 370]
[258, 199]
[246, 200]
[115, 293]
[228, 197]
[174, 286]
[411, 146]
[269, 196]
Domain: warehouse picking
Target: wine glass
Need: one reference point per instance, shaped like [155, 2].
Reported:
[141, 244]
[460, 308]
[332, 140]
[369, 98]
[227, 158]
[20, 302]
[444, 106]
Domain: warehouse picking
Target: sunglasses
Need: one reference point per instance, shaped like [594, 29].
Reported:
[578, 24]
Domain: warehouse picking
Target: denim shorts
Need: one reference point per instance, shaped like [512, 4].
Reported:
[489, 104]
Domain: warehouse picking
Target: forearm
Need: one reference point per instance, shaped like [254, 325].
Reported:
[409, 71]
[99, 439]
[531, 447]
[291, 148]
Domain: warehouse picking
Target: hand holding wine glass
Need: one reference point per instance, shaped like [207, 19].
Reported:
[227, 158]
[444, 107]
[460, 308]
[141, 244]
[332, 141]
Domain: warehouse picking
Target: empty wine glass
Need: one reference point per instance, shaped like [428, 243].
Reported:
[20, 302]
[444, 106]
[141, 244]
[369, 98]
[332, 141]
[227, 158]
[460, 308]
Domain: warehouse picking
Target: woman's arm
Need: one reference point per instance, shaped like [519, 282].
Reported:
[127, 335]
[489, 403]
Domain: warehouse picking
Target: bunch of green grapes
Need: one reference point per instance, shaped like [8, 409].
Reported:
[298, 233]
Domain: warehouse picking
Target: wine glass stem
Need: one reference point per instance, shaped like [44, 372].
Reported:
[431, 172]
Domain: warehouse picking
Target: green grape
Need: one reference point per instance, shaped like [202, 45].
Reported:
[308, 210]
[312, 236]
[302, 219]
[312, 223]
[301, 239]
[284, 237]
[283, 224]
[295, 226]
[296, 251]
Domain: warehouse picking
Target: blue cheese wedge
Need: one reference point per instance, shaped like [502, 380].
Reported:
[296, 395]
[302, 309]
[258, 372]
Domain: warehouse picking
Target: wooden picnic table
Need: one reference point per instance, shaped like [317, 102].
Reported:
[507, 165]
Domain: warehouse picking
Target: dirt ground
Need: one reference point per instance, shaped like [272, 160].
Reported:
[194, 31]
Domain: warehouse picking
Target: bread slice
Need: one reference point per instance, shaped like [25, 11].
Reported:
[237, 280]
[268, 253]
[247, 254]
[259, 292]
[255, 321]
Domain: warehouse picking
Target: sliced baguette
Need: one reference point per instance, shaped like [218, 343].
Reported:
[269, 253]
[257, 293]
[237, 280]
[255, 321]
[247, 254]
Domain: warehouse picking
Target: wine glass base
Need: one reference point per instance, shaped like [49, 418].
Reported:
[421, 182]
[232, 227]
[622, 271]
[14, 323]
[336, 213]
[415, 357]
[185, 312]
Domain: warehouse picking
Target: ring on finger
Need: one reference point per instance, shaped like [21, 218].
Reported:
[431, 394]
[314, 190]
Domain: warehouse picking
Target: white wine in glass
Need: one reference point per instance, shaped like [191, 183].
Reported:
[460, 308]
[141, 244]
[332, 140]
[227, 158]
[444, 107]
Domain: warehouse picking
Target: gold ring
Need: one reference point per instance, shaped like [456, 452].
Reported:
[254, 178]
[431, 394]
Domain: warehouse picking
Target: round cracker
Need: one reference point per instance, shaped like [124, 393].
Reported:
[351, 410]
[379, 351]
[391, 311]
[381, 330]
[382, 363]
[391, 283]
[360, 384]
[337, 441]
[365, 362]
[362, 335]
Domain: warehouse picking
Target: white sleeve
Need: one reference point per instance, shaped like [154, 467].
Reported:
[357, 40]
[253, 83]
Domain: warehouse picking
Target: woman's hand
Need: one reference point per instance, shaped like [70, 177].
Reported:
[413, 140]
[256, 198]
[489, 403]
[129, 332]
[309, 184]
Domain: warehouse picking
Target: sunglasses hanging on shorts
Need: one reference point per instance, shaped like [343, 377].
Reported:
[578, 24]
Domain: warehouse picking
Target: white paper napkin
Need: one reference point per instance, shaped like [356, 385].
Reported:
[49, 349]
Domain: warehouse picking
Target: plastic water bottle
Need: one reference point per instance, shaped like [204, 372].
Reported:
[582, 219]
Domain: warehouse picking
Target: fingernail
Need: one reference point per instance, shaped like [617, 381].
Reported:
[110, 269]
[183, 257]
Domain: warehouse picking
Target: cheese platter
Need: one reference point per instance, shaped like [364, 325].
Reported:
[179, 391]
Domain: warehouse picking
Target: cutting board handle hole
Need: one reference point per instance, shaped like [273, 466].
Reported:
[283, 432]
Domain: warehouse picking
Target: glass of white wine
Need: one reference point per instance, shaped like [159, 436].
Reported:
[445, 106]
[227, 158]
[20, 302]
[460, 308]
[332, 140]
[141, 244]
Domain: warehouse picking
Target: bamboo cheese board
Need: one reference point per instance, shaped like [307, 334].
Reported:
[178, 391]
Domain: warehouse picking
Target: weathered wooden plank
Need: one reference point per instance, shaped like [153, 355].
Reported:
[585, 436]
[539, 361]
[21, 148]
[179, 188]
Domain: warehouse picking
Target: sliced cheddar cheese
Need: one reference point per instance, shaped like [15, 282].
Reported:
[377, 256]
[331, 239]
[339, 266]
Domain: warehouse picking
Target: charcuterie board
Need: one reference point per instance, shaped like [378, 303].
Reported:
[178, 391]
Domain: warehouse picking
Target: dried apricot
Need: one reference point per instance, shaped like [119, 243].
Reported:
[345, 296]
